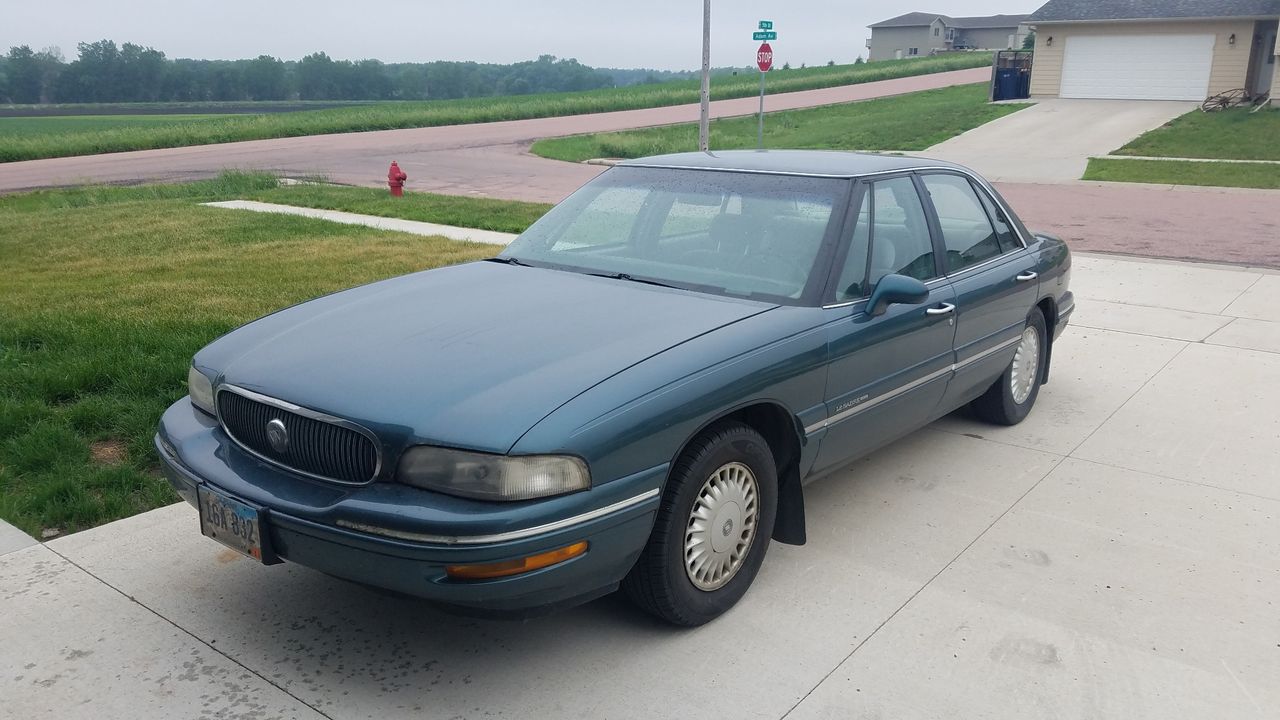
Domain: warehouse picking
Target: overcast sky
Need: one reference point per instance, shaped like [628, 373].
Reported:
[662, 34]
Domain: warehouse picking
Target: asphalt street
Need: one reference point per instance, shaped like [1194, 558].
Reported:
[1117, 555]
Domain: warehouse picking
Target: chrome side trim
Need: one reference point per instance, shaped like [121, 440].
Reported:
[986, 353]
[901, 390]
[305, 412]
[504, 536]
[896, 392]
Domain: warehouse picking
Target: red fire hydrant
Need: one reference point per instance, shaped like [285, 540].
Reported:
[395, 180]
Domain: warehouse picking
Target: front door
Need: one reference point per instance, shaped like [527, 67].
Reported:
[887, 372]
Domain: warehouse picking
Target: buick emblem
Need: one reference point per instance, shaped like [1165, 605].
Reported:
[728, 528]
[278, 435]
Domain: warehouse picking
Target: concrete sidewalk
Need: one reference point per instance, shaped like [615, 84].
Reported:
[1115, 556]
[382, 223]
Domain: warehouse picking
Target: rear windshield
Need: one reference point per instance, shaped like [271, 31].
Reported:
[729, 233]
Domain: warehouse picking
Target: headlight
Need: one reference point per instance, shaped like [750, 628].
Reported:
[200, 388]
[492, 477]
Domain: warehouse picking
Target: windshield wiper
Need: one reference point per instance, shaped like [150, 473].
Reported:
[508, 261]
[633, 278]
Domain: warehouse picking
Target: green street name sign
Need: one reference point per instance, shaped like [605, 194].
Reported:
[764, 35]
[766, 24]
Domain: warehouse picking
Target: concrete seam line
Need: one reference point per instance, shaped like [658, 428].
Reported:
[1058, 460]
[190, 634]
[1185, 344]
[1236, 298]
[1158, 476]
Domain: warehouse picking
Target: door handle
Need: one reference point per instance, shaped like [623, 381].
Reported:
[946, 309]
[1027, 276]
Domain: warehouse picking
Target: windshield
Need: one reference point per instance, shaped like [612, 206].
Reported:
[728, 233]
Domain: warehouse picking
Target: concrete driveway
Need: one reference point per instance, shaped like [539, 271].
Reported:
[1053, 140]
[1115, 556]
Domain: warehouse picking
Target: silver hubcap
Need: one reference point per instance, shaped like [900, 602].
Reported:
[1026, 365]
[721, 526]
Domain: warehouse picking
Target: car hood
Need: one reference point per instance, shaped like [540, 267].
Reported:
[469, 356]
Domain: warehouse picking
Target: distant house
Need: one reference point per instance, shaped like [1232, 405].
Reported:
[920, 33]
[1147, 50]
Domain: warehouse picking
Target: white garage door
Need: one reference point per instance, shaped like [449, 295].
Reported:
[1137, 67]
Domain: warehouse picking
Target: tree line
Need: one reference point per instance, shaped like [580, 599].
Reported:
[105, 72]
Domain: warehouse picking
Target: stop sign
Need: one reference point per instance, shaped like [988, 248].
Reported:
[764, 57]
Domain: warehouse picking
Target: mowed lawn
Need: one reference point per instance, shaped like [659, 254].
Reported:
[1185, 172]
[904, 122]
[99, 320]
[1236, 134]
[28, 127]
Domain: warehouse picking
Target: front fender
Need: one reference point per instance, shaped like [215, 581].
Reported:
[648, 413]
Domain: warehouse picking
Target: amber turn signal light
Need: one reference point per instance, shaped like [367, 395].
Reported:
[515, 567]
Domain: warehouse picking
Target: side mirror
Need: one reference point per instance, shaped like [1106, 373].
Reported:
[892, 289]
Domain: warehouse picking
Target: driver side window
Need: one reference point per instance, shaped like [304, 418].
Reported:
[891, 236]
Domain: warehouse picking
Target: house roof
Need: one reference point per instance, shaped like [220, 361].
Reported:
[917, 19]
[1084, 10]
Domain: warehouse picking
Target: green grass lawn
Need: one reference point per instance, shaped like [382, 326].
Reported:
[389, 115]
[1174, 172]
[98, 321]
[12, 128]
[905, 122]
[1235, 134]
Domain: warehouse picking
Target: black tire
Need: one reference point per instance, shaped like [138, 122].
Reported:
[659, 583]
[997, 405]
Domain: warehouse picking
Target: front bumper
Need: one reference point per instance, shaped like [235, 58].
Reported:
[400, 539]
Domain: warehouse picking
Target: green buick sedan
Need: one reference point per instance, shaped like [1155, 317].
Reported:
[633, 394]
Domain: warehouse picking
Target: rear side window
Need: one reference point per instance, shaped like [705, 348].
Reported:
[1004, 231]
[967, 232]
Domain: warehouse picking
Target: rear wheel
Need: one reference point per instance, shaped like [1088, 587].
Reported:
[712, 530]
[1010, 399]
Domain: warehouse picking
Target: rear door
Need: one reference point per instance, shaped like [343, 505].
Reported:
[887, 373]
[993, 275]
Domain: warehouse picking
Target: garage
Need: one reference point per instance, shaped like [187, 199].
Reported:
[1138, 67]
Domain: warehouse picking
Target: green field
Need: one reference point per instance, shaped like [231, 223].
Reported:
[1236, 134]
[99, 320]
[904, 122]
[18, 128]
[389, 115]
[1183, 172]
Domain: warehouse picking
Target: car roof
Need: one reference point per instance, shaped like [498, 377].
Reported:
[825, 163]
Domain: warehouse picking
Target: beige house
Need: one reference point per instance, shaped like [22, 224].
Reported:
[919, 33]
[1155, 49]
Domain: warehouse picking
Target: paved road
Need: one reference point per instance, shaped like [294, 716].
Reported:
[1115, 556]
[484, 158]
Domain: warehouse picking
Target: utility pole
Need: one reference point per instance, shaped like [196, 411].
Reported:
[704, 130]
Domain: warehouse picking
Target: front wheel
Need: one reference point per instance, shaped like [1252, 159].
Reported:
[712, 530]
[1010, 399]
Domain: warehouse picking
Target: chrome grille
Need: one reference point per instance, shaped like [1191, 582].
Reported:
[317, 445]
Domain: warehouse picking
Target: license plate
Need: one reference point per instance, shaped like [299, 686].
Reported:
[231, 522]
